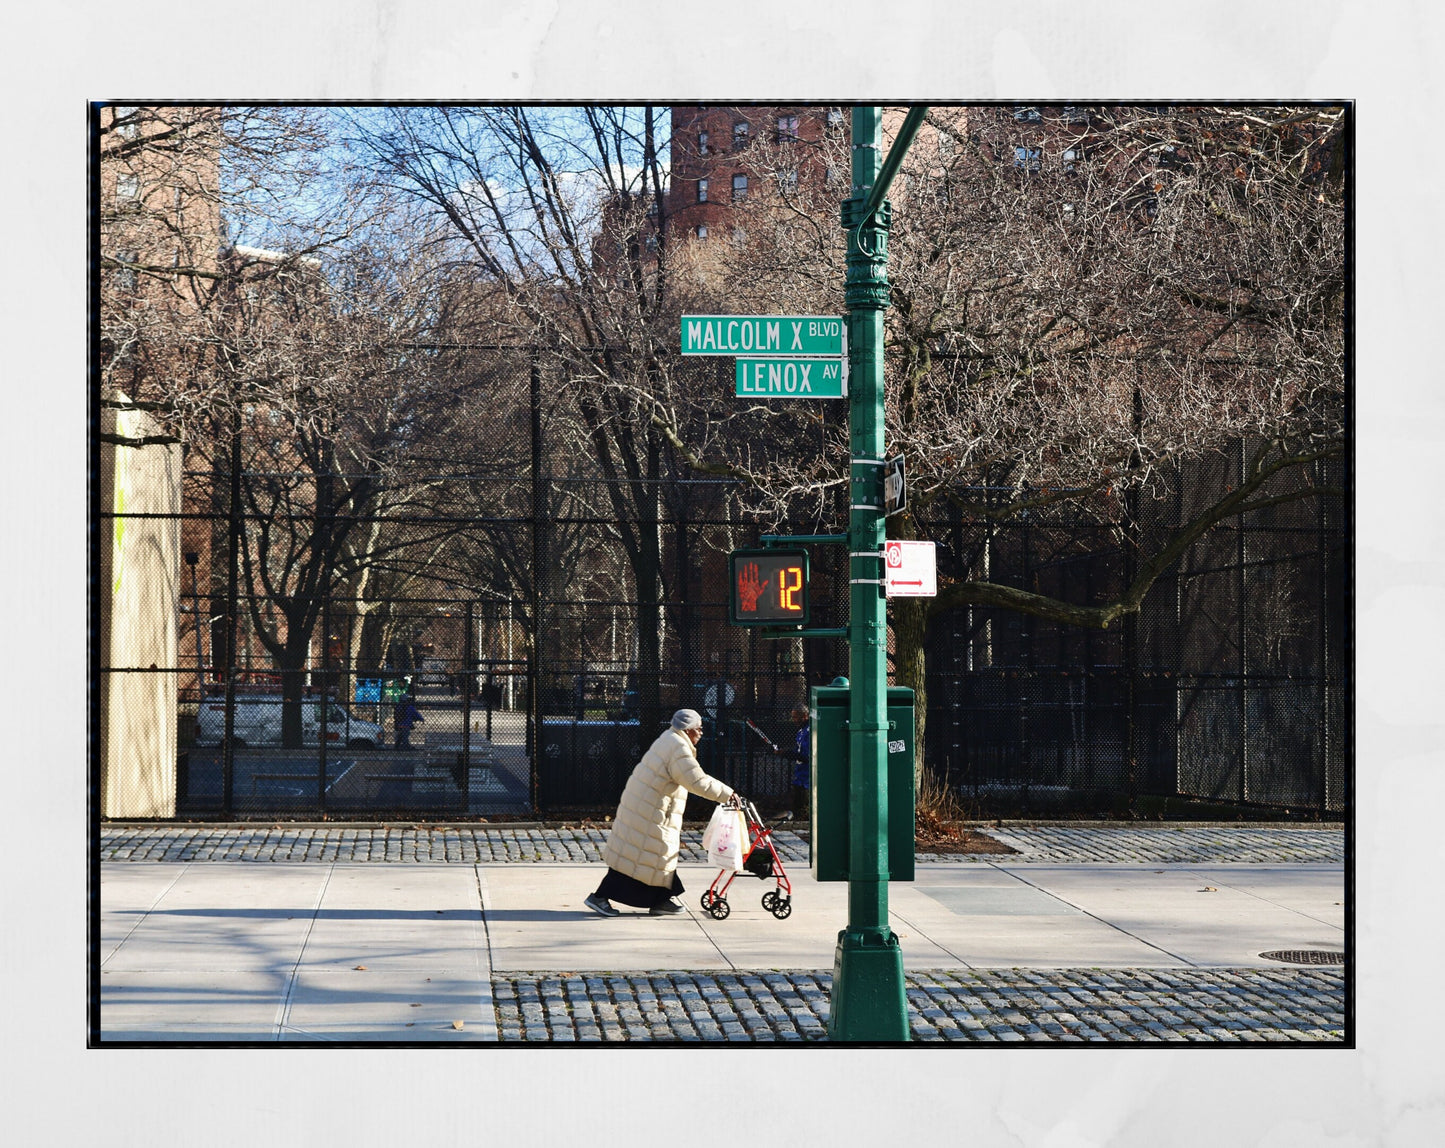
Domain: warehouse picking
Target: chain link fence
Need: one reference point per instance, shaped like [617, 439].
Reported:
[488, 627]
[1229, 686]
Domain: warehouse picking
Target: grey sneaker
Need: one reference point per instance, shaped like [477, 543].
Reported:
[601, 905]
[667, 909]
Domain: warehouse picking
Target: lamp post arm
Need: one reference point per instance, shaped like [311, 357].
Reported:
[911, 123]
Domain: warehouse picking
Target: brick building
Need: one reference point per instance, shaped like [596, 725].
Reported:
[159, 240]
[721, 153]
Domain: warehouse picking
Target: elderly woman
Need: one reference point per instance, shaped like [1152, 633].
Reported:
[641, 851]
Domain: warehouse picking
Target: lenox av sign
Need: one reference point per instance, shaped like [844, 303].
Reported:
[762, 335]
[791, 378]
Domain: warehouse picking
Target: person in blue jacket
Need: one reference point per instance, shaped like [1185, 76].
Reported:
[404, 717]
[801, 758]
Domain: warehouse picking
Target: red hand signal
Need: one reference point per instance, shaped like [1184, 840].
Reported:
[749, 588]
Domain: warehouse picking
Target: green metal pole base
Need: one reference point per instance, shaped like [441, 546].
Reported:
[868, 1003]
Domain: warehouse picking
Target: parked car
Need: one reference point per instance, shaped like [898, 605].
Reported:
[258, 722]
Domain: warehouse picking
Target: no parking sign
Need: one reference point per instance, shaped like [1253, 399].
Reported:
[911, 569]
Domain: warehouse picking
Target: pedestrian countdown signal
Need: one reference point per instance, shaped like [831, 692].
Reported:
[768, 587]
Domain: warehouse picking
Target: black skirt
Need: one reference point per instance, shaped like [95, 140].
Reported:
[630, 891]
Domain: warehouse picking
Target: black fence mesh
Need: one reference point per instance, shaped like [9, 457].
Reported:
[1229, 685]
[266, 612]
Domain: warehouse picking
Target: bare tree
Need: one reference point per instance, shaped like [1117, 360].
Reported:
[1082, 299]
[561, 213]
[294, 370]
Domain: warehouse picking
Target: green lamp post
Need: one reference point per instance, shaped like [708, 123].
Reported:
[868, 1002]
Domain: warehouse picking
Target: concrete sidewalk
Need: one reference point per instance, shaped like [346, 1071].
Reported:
[467, 951]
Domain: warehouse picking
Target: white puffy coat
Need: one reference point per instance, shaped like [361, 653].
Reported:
[647, 829]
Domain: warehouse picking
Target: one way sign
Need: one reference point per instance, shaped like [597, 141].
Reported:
[895, 494]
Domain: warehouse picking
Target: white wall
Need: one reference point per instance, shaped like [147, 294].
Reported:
[140, 583]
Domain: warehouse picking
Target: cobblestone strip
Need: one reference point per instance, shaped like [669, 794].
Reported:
[1154, 845]
[463, 844]
[1010, 1006]
[488, 844]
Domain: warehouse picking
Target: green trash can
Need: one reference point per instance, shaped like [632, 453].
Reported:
[829, 838]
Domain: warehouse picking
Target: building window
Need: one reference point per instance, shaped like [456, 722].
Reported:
[702, 143]
[1027, 114]
[740, 187]
[1028, 158]
[125, 273]
[127, 186]
[788, 180]
[1074, 114]
[945, 144]
[740, 135]
[702, 191]
[739, 236]
[124, 121]
[650, 243]
[701, 231]
[831, 177]
[835, 120]
[787, 128]
[1068, 210]
[1072, 156]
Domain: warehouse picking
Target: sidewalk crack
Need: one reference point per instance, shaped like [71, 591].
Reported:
[283, 1010]
[1093, 916]
[145, 913]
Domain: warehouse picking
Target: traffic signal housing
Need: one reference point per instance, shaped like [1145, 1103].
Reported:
[768, 588]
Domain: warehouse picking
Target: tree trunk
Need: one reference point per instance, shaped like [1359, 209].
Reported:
[293, 681]
[647, 572]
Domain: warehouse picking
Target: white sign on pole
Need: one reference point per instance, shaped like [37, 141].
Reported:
[910, 569]
[895, 493]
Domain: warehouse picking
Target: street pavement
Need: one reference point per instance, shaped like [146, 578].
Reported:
[478, 934]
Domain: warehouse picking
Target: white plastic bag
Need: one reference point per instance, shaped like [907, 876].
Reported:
[727, 848]
[720, 815]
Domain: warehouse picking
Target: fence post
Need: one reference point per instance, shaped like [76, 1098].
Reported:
[233, 576]
[1322, 563]
[468, 683]
[534, 666]
[1132, 531]
[1243, 635]
[325, 701]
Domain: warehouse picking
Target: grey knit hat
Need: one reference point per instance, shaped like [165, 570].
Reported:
[686, 719]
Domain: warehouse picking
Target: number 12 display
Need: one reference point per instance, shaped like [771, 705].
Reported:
[768, 587]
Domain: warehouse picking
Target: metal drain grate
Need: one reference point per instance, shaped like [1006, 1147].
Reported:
[1304, 956]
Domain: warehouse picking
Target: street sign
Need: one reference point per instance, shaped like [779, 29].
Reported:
[910, 569]
[762, 335]
[792, 378]
[895, 494]
[768, 587]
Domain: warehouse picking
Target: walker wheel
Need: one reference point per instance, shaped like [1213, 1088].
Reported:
[707, 899]
[782, 907]
[720, 908]
[770, 898]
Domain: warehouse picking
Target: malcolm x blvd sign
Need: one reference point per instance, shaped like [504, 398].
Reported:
[762, 335]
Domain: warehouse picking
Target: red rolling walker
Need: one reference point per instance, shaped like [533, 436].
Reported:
[762, 861]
